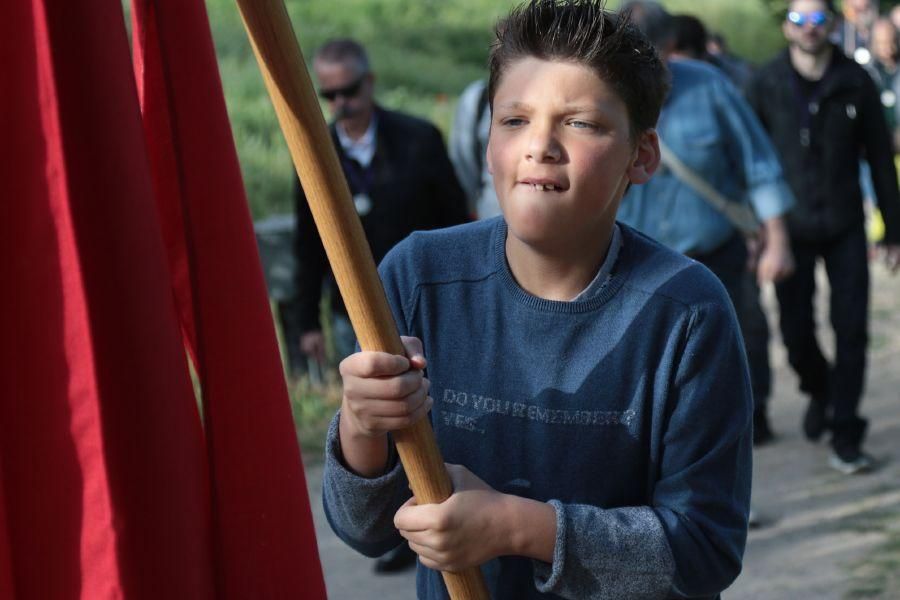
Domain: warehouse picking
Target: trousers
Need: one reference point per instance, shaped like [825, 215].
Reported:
[839, 385]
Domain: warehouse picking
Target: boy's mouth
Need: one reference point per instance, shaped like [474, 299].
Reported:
[543, 185]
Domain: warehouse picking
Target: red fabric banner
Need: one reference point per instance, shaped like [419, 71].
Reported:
[108, 486]
[265, 542]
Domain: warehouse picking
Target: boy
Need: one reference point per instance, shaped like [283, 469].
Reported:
[590, 385]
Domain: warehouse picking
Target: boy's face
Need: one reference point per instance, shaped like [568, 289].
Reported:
[561, 154]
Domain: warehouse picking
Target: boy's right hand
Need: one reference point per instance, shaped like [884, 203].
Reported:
[384, 392]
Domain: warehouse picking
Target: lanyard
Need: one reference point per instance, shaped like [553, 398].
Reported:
[360, 178]
[808, 104]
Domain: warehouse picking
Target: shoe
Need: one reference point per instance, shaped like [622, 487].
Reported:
[815, 421]
[398, 559]
[762, 432]
[851, 460]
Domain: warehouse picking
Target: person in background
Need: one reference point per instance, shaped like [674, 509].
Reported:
[401, 181]
[467, 147]
[691, 41]
[885, 53]
[852, 32]
[894, 16]
[737, 69]
[823, 112]
[710, 129]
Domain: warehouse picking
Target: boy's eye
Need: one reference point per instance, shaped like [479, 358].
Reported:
[512, 122]
[579, 124]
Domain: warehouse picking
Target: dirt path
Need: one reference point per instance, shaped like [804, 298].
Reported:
[826, 535]
[829, 535]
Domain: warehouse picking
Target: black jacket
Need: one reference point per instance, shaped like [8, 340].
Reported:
[412, 186]
[844, 121]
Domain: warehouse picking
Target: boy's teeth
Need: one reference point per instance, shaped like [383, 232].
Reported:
[543, 187]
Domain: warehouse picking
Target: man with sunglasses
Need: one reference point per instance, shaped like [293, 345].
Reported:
[824, 114]
[401, 180]
[399, 175]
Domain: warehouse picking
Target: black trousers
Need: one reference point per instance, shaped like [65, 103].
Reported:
[840, 385]
[729, 263]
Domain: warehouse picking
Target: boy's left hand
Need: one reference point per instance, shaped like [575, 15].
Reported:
[465, 530]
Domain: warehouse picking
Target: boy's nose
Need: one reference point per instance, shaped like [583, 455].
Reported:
[543, 146]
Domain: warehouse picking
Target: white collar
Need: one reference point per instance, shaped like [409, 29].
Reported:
[363, 149]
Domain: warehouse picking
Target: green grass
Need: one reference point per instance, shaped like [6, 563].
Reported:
[313, 407]
[877, 573]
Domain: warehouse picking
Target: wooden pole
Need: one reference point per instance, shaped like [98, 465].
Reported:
[291, 90]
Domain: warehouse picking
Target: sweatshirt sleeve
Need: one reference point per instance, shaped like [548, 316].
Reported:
[689, 541]
[361, 510]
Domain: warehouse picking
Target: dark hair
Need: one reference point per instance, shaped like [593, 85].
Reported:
[343, 50]
[690, 36]
[584, 32]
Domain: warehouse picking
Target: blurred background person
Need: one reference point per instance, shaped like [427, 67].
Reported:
[399, 175]
[894, 16]
[401, 180]
[824, 112]
[691, 42]
[711, 140]
[852, 31]
[737, 69]
[885, 54]
[467, 146]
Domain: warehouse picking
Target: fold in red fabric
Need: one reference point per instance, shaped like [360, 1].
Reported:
[264, 537]
[109, 486]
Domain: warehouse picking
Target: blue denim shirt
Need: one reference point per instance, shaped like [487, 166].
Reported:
[710, 127]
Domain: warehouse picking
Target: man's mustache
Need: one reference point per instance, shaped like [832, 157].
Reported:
[344, 112]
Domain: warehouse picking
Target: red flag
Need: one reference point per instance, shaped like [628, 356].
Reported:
[105, 478]
[108, 486]
[265, 542]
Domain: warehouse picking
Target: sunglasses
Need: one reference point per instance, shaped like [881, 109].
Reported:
[348, 91]
[816, 18]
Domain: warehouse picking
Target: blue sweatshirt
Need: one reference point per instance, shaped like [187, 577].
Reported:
[628, 411]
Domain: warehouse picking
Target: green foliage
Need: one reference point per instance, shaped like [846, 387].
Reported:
[752, 31]
[424, 52]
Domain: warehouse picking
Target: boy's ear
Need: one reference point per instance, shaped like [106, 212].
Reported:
[646, 157]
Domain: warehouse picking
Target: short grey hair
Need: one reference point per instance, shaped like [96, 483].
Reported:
[344, 50]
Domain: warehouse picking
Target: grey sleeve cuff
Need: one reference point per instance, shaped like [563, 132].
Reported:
[615, 553]
[361, 510]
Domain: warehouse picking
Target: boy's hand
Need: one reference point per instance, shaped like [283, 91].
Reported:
[465, 530]
[384, 392]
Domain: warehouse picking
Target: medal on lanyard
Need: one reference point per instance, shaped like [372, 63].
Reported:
[363, 204]
[360, 180]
